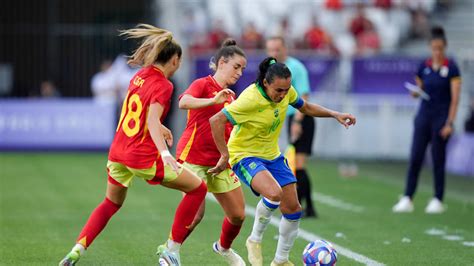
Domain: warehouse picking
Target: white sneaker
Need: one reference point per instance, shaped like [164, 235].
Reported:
[71, 259]
[232, 258]
[404, 205]
[286, 263]
[166, 257]
[254, 250]
[434, 206]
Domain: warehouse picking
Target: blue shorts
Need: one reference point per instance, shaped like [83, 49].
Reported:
[248, 167]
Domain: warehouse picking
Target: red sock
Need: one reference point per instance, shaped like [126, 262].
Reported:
[186, 212]
[229, 233]
[97, 221]
[195, 222]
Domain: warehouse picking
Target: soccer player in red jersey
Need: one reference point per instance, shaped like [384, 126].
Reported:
[139, 148]
[196, 149]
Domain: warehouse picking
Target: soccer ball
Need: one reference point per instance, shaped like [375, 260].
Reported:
[319, 253]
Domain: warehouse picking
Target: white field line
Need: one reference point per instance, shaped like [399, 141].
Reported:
[308, 236]
[336, 203]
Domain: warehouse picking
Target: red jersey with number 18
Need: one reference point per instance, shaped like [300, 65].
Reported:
[132, 144]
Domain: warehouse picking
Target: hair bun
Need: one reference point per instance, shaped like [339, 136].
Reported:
[437, 31]
[229, 42]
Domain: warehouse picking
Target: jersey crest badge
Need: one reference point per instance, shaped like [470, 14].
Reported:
[443, 72]
[253, 165]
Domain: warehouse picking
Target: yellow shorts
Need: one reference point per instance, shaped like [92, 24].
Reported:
[123, 175]
[225, 181]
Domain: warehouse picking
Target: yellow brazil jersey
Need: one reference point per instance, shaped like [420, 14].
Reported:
[257, 123]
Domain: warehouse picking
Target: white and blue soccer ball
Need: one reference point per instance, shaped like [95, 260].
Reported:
[319, 253]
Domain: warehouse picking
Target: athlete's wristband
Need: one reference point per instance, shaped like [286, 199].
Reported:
[165, 153]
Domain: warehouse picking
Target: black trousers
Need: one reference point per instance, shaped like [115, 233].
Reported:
[427, 130]
[304, 145]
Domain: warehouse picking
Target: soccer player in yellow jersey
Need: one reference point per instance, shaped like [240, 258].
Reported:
[258, 115]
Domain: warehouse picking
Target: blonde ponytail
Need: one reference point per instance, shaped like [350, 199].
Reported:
[158, 45]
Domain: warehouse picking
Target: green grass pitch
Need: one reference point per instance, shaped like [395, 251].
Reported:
[47, 197]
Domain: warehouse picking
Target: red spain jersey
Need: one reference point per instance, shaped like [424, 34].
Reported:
[196, 145]
[132, 144]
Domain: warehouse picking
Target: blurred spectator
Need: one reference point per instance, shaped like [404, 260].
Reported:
[334, 4]
[444, 5]
[419, 10]
[111, 83]
[217, 34]
[427, 6]
[48, 90]
[317, 39]
[419, 23]
[283, 30]
[192, 26]
[123, 73]
[383, 4]
[251, 38]
[368, 42]
[200, 43]
[103, 84]
[193, 30]
[360, 23]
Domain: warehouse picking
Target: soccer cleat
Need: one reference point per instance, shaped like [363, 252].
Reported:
[434, 206]
[166, 257]
[254, 250]
[286, 263]
[71, 259]
[232, 258]
[404, 205]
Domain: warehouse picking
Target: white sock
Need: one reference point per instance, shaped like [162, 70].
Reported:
[220, 248]
[288, 232]
[173, 246]
[80, 248]
[263, 214]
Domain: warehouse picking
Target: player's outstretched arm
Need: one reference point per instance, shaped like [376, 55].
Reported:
[316, 110]
[156, 132]
[190, 102]
[218, 122]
